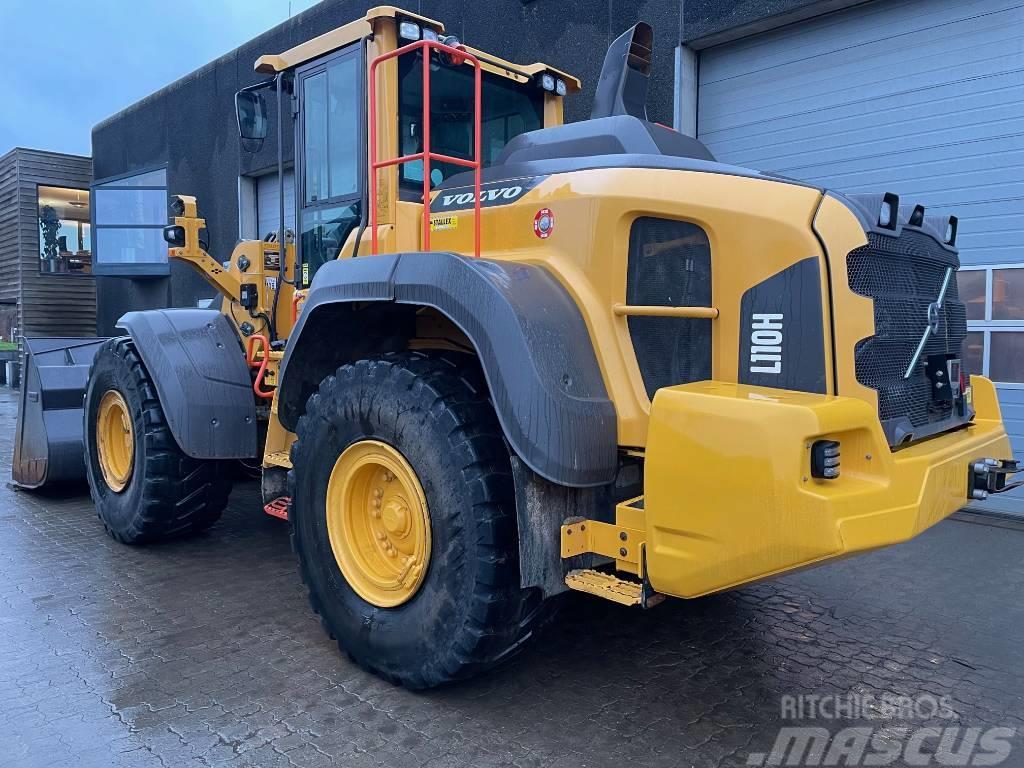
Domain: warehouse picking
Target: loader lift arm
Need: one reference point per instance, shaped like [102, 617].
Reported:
[183, 238]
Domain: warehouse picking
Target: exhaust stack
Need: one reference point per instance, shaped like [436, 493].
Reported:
[622, 88]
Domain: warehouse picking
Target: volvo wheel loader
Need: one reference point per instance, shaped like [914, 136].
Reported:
[504, 357]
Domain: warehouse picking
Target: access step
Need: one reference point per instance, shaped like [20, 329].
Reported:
[605, 585]
[278, 507]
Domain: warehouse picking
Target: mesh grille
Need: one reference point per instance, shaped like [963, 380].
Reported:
[904, 275]
[669, 266]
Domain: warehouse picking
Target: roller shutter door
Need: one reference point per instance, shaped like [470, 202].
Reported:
[924, 98]
[268, 210]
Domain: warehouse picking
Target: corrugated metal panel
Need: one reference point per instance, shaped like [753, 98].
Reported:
[924, 98]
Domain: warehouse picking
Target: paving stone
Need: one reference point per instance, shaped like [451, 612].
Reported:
[204, 653]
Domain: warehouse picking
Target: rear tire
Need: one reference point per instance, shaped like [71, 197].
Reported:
[468, 613]
[165, 493]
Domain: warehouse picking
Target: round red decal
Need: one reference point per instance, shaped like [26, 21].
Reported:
[544, 223]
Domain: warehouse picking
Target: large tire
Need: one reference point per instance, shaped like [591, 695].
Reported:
[469, 612]
[165, 493]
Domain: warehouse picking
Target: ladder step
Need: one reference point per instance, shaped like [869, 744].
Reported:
[605, 585]
[278, 507]
[278, 459]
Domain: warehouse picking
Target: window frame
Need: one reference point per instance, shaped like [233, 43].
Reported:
[128, 269]
[356, 50]
[988, 326]
[92, 240]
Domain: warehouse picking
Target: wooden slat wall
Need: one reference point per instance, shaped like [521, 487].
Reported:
[9, 272]
[50, 305]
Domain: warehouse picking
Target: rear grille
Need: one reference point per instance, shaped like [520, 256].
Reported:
[904, 275]
[669, 266]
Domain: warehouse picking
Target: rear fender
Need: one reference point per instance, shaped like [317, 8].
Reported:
[197, 364]
[529, 336]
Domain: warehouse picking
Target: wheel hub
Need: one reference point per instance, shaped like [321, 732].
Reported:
[115, 440]
[378, 523]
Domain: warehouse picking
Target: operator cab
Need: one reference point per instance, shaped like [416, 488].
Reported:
[326, 80]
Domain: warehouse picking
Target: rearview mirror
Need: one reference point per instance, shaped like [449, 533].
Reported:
[251, 110]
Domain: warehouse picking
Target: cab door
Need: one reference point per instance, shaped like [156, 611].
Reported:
[330, 150]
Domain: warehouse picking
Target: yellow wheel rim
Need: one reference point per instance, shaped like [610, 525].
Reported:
[378, 523]
[115, 440]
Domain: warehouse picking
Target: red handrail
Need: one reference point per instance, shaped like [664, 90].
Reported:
[250, 355]
[426, 155]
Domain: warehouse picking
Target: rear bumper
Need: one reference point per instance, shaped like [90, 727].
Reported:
[729, 495]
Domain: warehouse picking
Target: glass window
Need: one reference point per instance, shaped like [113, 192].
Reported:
[131, 245]
[973, 355]
[314, 108]
[331, 143]
[131, 206]
[1006, 356]
[157, 178]
[129, 216]
[324, 231]
[343, 122]
[971, 288]
[1008, 294]
[508, 109]
[331, 131]
[65, 235]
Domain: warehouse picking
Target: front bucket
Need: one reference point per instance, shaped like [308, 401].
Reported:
[48, 444]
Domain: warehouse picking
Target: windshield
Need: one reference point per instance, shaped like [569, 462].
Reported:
[509, 109]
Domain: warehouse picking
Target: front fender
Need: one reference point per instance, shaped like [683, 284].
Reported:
[529, 335]
[196, 362]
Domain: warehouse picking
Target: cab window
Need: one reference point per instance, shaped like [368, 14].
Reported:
[331, 136]
[509, 109]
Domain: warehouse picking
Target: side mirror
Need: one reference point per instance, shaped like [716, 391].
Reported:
[251, 110]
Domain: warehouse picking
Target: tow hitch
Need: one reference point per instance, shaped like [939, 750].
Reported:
[985, 476]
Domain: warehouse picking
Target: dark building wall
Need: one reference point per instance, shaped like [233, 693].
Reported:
[710, 22]
[190, 125]
[47, 304]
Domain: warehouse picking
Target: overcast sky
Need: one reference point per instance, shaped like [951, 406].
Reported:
[68, 64]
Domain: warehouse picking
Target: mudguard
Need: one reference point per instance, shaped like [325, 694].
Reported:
[197, 363]
[530, 337]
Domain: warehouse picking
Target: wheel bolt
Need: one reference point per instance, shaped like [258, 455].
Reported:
[378, 492]
[380, 536]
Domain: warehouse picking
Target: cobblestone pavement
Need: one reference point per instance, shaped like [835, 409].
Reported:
[204, 652]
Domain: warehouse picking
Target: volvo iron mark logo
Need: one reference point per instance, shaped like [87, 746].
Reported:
[934, 317]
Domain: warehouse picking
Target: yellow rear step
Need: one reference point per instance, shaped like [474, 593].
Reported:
[605, 585]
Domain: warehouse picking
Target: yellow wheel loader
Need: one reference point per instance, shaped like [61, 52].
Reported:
[503, 357]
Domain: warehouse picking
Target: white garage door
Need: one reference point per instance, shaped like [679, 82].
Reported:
[924, 98]
[268, 209]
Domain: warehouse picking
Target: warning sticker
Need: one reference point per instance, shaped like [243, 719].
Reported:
[443, 223]
[271, 283]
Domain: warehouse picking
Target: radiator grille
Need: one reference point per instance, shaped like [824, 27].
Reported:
[669, 265]
[904, 275]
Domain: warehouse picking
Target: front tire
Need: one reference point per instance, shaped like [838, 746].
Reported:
[144, 486]
[423, 425]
